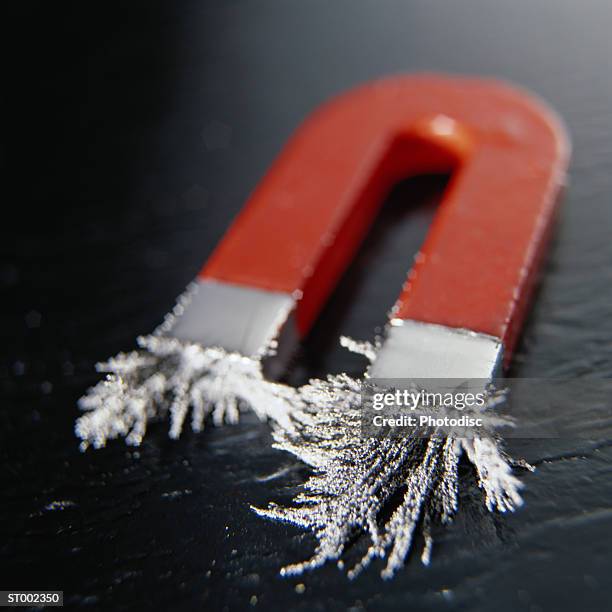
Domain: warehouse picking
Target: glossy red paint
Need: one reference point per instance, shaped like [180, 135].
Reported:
[507, 154]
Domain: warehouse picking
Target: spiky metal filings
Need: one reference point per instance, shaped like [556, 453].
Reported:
[355, 478]
[166, 378]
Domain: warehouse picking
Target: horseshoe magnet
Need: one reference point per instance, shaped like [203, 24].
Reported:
[460, 310]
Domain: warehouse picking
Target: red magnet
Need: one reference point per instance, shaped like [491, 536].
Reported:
[461, 308]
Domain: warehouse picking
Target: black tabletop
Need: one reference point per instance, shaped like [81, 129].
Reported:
[135, 133]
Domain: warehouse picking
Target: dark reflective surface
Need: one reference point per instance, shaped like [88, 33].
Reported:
[136, 133]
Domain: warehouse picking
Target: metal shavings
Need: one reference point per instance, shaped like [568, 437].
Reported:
[365, 348]
[167, 378]
[355, 479]
[181, 304]
[59, 505]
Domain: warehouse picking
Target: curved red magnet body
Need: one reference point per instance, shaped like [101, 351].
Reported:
[507, 154]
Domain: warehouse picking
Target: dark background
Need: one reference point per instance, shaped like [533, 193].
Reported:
[133, 134]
